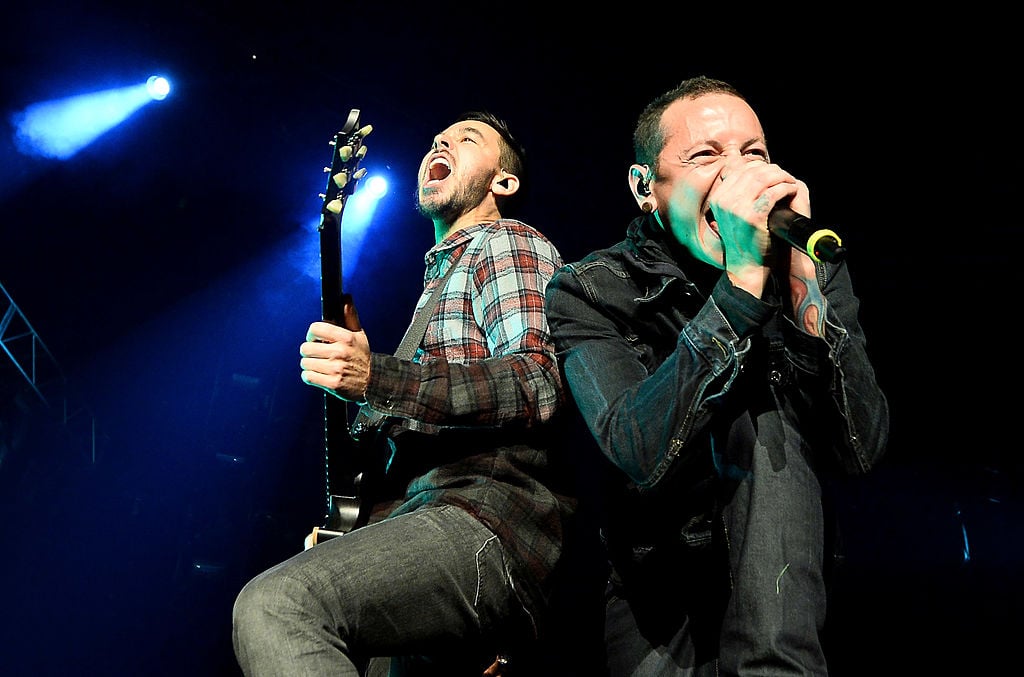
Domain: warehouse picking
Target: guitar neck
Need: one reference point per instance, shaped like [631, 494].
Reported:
[342, 472]
[331, 290]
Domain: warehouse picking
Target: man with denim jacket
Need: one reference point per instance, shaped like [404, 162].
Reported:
[724, 374]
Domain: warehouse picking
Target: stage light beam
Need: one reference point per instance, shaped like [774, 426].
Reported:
[356, 219]
[60, 128]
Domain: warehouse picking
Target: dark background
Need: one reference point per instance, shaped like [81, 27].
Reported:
[165, 269]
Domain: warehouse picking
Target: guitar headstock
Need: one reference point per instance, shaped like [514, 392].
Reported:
[344, 174]
[344, 170]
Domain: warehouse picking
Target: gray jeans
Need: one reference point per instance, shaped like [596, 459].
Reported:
[769, 560]
[431, 587]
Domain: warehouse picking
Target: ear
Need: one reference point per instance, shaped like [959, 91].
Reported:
[504, 183]
[639, 186]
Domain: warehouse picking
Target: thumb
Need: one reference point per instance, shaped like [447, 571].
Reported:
[350, 317]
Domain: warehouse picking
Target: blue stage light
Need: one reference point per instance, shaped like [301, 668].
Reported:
[158, 87]
[61, 127]
[376, 187]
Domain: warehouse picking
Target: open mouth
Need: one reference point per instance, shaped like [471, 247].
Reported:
[438, 170]
[709, 216]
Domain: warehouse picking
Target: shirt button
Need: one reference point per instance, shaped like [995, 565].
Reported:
[775, 376]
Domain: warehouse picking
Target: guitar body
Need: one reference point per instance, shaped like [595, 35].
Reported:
[346, 509]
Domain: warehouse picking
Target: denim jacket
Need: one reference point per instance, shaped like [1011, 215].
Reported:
[662, 372]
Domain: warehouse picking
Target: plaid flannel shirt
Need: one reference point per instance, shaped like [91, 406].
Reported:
[472, 418]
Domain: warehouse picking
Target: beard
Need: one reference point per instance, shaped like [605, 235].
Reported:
[449, 207]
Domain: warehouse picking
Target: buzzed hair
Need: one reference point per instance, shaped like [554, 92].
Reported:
[648, 138]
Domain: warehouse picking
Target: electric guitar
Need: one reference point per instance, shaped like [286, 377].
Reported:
[345, 509]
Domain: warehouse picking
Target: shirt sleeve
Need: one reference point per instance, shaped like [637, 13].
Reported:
[488, 358]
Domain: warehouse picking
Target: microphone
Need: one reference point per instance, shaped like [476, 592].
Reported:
[821, 244]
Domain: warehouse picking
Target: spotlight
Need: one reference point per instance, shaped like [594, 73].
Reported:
[158, 87]
[59, 128]
[376, 187]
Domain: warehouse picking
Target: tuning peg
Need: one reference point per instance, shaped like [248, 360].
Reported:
[340, 179]
[365, 131]
[345, 153]
[334, 206]
[360, 174]
[361, 153]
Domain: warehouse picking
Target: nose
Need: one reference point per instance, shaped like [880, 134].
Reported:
[733, 160]
[440, 141]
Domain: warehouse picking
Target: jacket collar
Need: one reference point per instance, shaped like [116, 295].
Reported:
[656, 252]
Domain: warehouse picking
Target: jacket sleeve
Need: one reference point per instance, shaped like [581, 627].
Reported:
[643, 416]
[650, 418]
[837, 370]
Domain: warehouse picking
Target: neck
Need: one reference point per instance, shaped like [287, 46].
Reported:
[479, 214]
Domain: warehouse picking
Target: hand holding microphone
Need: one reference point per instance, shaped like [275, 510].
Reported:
[798, 231]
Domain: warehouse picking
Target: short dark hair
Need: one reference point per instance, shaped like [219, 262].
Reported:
[648, 137]
[512, 156]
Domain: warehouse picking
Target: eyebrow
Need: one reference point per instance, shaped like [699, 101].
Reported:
[472, 130]
[717, 146]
